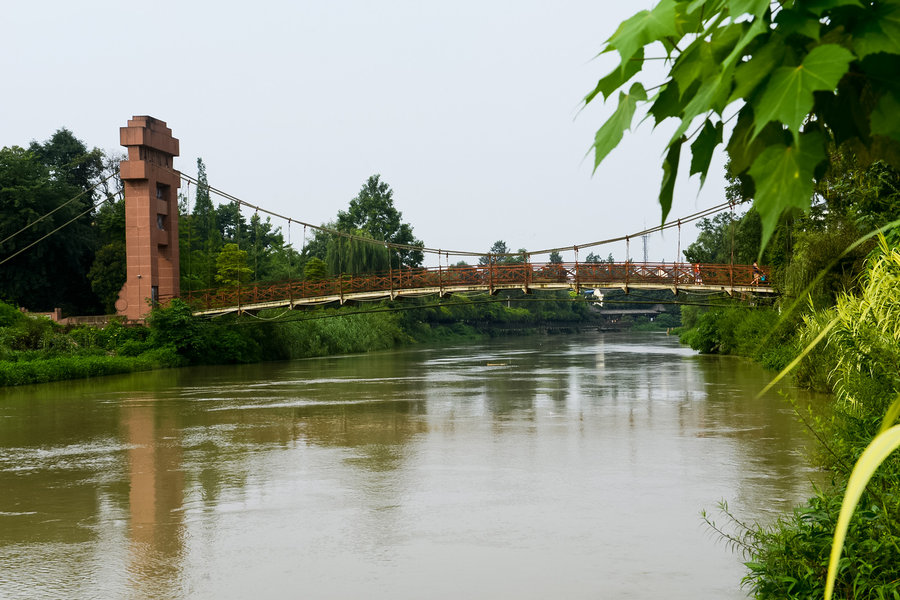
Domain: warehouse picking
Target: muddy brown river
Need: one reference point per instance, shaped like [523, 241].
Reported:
[534, 467]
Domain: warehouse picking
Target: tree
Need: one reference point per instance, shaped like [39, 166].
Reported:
[315, 269]
[798, 76]
[497, 252]
[556, 258]
[51, 272]
[231, 266]
[70, 161]
[593, 258]
[355, 256]
[498, 248]
[232, 228]
[372, 211]
[108, 274]
[199, 237]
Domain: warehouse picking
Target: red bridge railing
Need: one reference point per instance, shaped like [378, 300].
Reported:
[489, 277]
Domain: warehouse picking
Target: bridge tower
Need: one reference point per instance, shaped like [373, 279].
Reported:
[151, 216]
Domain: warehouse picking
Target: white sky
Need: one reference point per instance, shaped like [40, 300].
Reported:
[468, 109]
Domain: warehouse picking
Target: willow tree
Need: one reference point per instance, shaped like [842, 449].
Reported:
[789, 78]
[356, 256]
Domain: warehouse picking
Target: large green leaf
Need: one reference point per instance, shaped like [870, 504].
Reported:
[670, 172]
[703, 147]
[617, 78]
[885, 118]
[696, 63]
[743, 148]
[668, 103]
[797, 20]
[820, 6]
[711, 96]
[880, 32]
[704, 58]
[783, 176]
[788, 96]
[742, 7]
[748, 75]
[644, 27]
[609, 136]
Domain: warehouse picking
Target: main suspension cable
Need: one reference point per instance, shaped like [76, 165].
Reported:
[667, 225]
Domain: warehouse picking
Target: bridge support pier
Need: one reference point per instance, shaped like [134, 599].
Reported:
[151, 216]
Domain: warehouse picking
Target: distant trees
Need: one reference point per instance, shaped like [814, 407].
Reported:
[496, 252]
[371, 214]
[231, 266]
[48, 190]
[54, 190]
[206, 231]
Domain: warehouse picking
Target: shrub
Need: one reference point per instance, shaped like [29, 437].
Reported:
[9, 315]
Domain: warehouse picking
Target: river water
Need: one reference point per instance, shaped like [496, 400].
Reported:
[535, 467]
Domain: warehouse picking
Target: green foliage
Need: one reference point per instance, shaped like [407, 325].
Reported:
[203, 342]
[174, 326]
[108, 274]
[51, 273]
[206, 229]
[858, 362]
[9, 315]
[722, 235]
[799, 77]
[500, 254]
[338, 335]
[355, 256]
[199, 238]
[867, 196]
[865, 343]
[738, 330]
[315, 269]
[372, 212]
[231, 266]
[788, 560]
[29, 333]
[820, 267]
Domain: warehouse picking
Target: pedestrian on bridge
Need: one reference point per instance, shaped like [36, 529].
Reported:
[697, 279]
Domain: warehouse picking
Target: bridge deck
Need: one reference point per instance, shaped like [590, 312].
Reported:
[487, 278]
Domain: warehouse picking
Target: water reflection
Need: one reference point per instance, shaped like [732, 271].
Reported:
[154, 499]
[546, 466]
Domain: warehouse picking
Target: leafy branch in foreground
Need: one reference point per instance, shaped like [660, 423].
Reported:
[799, 77]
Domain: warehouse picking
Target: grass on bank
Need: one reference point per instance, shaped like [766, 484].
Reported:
[37, 350]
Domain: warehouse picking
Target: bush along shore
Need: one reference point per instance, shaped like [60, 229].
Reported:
[37, 350]
[857, 360]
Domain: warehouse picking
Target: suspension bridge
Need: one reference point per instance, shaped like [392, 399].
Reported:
[490, 278]
[150, 184]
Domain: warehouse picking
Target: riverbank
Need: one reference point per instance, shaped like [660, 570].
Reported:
[856, 361]
[36, 350]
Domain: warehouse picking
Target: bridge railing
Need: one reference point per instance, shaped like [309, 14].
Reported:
[491, 277]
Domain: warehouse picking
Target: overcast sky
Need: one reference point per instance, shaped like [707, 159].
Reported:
[469, 110]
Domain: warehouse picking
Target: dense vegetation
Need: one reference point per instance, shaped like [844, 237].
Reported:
[841, 285]
[35, 349]
[59, 185]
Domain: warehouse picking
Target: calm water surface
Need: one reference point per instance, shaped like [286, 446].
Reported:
[538, 467]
